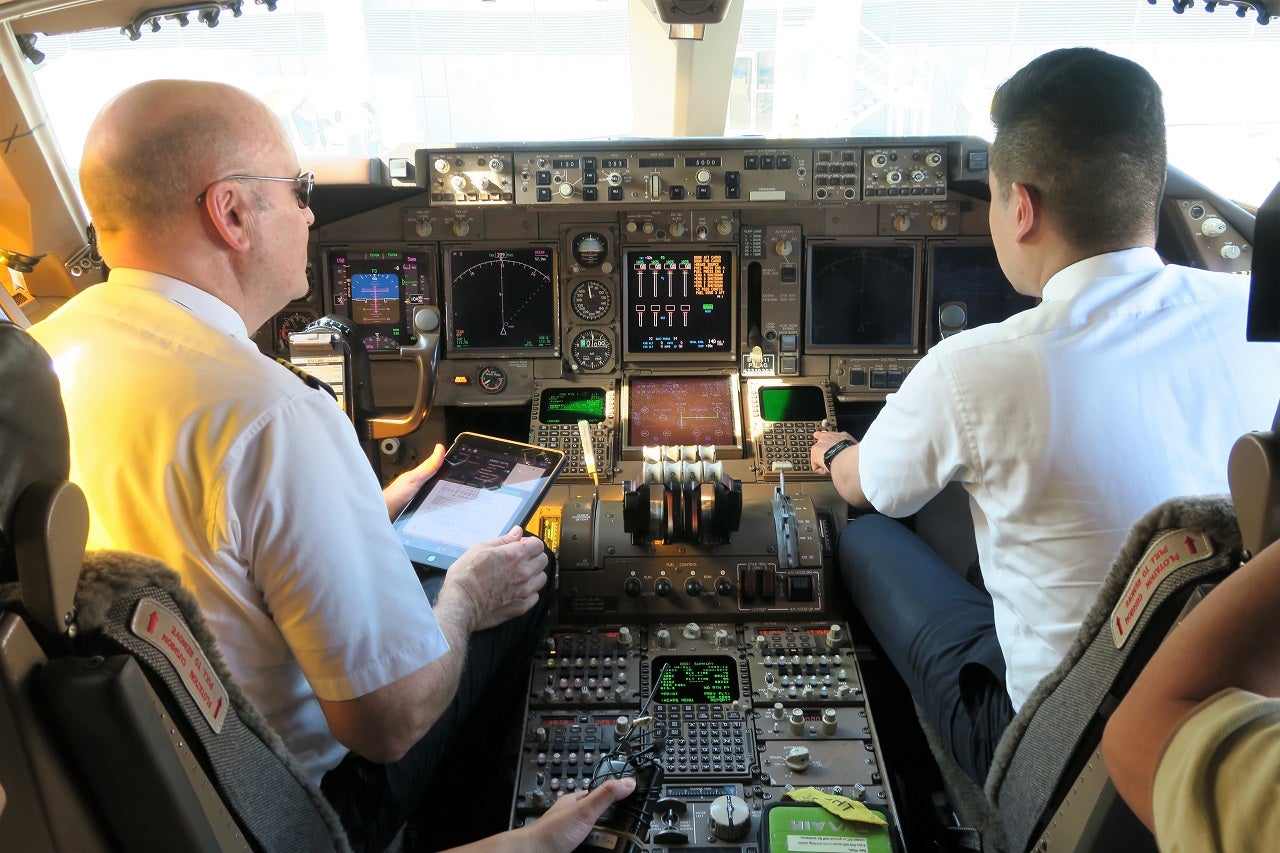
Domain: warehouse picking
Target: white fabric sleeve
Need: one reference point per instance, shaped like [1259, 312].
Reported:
[304, 508]
[918, 443]
[1215, 785]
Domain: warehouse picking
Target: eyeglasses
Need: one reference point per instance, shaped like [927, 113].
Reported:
[302, 191]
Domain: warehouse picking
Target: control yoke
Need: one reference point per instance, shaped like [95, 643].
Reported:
[426, 324]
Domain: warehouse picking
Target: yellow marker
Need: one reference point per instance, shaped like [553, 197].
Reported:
[588, 450]
[841, 807]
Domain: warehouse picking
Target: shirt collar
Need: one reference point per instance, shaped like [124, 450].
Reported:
[199, 303]
[1069, 281]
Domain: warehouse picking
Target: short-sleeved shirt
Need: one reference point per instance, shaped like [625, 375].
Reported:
[194, 448]
[1126, 386]
[1215, 785]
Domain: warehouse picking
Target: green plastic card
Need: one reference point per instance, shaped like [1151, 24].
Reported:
[806, 829]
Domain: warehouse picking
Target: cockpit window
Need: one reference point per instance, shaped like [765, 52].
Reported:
[382, 77]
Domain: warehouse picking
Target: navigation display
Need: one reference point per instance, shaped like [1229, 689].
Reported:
[693, 410]
[501, 301]
[379, 290]
[863, 297]
[679, 301]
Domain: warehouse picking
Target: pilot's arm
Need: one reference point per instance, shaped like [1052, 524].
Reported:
[844, 465]
[1226, 645]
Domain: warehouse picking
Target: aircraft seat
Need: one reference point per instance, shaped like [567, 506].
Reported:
[119, 725]
[1048, 788]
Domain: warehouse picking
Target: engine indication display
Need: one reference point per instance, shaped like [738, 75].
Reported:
[679, 301]
[697, 410]
[502, 301]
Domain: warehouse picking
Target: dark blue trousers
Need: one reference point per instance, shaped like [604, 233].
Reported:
[937, 630]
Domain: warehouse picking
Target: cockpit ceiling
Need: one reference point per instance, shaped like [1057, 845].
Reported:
[55, 17]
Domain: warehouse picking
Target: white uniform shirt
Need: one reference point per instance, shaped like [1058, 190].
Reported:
[1126, 386]
[194, 448]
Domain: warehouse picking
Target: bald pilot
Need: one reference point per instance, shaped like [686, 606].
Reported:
[194, 449]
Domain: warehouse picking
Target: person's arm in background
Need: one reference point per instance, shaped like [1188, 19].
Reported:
[1228, 640]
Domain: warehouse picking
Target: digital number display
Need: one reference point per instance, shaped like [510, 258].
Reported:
[679, 301]
[690, 680]
[570, 405]
[502, 301]
[613, 163]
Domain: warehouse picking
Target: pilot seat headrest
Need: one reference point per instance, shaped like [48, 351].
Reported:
[44, 520]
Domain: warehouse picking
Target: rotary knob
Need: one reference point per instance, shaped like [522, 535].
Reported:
[724, 227]
[901, 222]
[720, 639]
[703, 176]
[662, 587]
[624, 637]
[1212, 226]
[565, 190]
[693, 587]
[692, 631]
[441, 165]
[1230, 251]
[783, 247]
[461, 227]
[730, 818]
[664, 638]
[632, 587]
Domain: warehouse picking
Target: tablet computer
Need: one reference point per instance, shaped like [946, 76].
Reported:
[484, 487]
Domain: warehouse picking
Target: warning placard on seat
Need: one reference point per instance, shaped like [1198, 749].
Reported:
[162, 629]
[1173, 549]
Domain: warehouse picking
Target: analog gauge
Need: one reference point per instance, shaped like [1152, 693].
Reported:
[589, 248]
[591, 300]
[591, 349]
[492, 379]
[290, 321]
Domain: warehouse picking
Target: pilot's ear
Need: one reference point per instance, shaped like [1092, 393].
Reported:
[1024, 204]
[228, 205]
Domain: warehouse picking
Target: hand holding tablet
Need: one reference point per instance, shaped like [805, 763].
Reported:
[485, 486]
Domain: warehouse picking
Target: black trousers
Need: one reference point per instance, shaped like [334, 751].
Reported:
[375, 800]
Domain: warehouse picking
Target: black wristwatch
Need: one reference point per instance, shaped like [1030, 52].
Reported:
[835, 450]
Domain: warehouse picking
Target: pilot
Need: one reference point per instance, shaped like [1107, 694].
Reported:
[193, 448]
[1194, 747]
[1125, 386]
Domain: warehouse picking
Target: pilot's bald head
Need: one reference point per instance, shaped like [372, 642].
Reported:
[157, 145]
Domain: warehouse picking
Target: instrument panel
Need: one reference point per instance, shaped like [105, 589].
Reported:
[679, 317]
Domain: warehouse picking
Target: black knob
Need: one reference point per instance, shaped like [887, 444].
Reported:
[724, 586]
[631, 586]
[662, 587]
[693, 586]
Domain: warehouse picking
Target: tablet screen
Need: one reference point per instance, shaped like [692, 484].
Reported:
[485, 487]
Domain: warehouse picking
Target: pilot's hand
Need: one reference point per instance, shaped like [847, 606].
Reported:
[404, 487]
[499, 578]
[821, 441]
[569, 821]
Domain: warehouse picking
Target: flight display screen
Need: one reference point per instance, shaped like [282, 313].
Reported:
[570, 405]
[679, 301]
[863, 297]
[502, 301]
[792, 403]
[379, 290]
[695, 680]
[692, 410]
[967, 286]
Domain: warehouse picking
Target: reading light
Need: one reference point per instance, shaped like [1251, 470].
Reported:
[686, 31]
